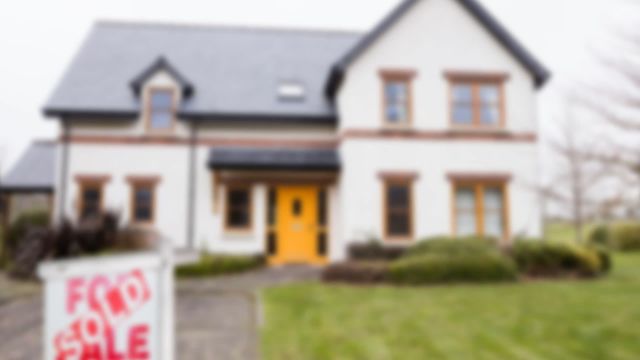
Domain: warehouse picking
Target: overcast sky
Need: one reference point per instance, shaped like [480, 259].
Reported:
[38, 39]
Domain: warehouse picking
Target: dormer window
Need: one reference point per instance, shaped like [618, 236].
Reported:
[291, 91]
[161, 109]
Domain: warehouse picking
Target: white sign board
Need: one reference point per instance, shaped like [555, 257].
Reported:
[111, 308]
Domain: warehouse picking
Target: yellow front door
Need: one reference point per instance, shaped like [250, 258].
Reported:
[297, 226]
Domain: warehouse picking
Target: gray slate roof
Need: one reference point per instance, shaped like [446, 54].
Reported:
[34, 171]
[234, 71]
[273, 159]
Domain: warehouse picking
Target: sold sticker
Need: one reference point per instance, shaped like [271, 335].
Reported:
[102, 309]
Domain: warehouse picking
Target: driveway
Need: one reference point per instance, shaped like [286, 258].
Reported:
[216, 318]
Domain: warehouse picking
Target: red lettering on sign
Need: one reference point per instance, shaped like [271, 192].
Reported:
[138, 343]
[92, 335]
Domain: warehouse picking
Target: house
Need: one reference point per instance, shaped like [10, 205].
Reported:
[29, 185]
[296, 143]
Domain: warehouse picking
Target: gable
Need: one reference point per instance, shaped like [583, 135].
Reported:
[499, 33]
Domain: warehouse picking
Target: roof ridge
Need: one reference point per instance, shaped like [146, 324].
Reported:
[225, 27]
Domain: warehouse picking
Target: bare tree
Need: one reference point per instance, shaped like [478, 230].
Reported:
[617, 103]
[575, 184]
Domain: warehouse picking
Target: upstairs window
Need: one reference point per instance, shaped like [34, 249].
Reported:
[397, 98]
[161, 109]
[477, 101]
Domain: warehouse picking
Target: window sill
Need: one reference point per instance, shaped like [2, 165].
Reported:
[398, 129]
[398, 241]
[239, 233]
[475, 131]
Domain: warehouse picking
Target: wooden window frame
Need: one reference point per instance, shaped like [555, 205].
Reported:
[90, 181]
[249, 227]
[149, 110]
[476, 80]
[142, 181]
[479, 185]
[404, 179]
[398, 75]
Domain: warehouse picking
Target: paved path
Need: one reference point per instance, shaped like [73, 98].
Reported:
[216, 318]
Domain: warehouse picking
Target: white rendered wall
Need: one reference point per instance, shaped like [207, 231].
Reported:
[433, 37]
[362, 187]
[169, 163]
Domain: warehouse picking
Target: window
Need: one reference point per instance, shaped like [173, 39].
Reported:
[238, 209]
[398, 209]
[161, 109]
[480, 209]
[91, 198]
[397, 101]
[322, 238]
[143, 201]
[477, 101]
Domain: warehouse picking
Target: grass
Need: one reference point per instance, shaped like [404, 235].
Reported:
[542, 320]
[564, 231]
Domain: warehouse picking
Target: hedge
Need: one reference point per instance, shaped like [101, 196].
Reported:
[216, 265]
[626, 236]
[454, 246]
[448, 268]
[540, 258]
[374, 251]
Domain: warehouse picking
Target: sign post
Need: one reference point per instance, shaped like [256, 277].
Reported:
[111, 308]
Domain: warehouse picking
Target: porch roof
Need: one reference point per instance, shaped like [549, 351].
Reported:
[274, 159]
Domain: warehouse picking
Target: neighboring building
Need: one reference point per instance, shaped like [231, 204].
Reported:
[29, 185]
[296, 143]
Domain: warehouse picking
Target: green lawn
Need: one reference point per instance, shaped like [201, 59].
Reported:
[563, 231]
[544, 320]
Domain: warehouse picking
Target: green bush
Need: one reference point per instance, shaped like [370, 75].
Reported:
[544, 258]
[604, 254]
[626, 236]
[447, 268]
[21, 226]
[374, 250]
[453, 246]
[600, 236]
[215, 265]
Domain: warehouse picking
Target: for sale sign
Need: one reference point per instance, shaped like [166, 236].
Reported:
[117, 308]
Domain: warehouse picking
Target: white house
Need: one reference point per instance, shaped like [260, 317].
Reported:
[296, 143]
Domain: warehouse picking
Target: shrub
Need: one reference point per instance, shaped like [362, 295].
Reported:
[214, 265]
[447, 268]
[600, 236]
[374, 250]
[543, 258]
[604, 255]
[357, 272]
[21, 226]
[626, 236]
[454, 246]
[92, 237]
